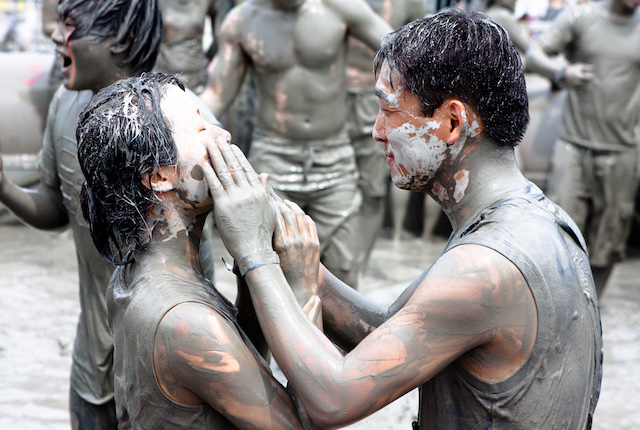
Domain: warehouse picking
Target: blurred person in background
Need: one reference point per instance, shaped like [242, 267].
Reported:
[594, 174]
[363, 106]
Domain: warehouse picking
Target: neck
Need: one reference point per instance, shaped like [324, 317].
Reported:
[480, 174]
[174, 237]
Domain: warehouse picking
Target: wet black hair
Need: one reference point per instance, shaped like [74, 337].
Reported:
[135, 25]
[463, 55]
[122, 136]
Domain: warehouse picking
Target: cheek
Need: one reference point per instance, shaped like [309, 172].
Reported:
[196, 190]
[417, 150]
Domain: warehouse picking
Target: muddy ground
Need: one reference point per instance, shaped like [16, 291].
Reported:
[39, 308]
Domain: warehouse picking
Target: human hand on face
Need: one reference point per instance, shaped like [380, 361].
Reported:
[577, 75]
[296, 242]
[244, 216]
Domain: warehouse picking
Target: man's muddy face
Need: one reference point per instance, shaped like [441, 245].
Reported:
[88, 64]
[413, 144]
[191, 134]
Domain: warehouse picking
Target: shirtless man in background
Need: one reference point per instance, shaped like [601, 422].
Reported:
[181, 50]
[296, 50]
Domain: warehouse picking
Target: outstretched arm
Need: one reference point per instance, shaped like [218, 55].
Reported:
[349, 316]
[363, 23]
[40, 207]
[296, 242]
[555, 40]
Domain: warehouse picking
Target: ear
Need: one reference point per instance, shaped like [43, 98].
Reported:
[161, 180]
[456, 114]
[121, 48]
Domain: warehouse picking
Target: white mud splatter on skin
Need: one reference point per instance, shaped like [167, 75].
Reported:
[417, 152]
[462, 182]
[475, 129]
[439, 192]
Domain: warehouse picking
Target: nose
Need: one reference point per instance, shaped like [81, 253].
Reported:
[57, 35]
[379, 132]
[218, 131]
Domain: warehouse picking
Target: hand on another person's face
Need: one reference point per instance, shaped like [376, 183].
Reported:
[296, 242]
[244, 215]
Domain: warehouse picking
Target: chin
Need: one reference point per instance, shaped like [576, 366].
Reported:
[401, 184]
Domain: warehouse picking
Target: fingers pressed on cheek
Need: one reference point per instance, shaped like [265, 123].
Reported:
[210, 177]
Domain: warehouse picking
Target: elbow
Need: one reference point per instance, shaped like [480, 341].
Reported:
[331, 413]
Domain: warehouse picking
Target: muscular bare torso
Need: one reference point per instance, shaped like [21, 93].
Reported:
[299, 64]
[184, 19]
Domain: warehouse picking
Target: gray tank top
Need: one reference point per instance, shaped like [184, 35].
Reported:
[135, 310]
[559, 385]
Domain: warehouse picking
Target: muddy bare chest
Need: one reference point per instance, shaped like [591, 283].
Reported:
[312, 40]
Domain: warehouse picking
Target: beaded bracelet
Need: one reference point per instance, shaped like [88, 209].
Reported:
[257, 259]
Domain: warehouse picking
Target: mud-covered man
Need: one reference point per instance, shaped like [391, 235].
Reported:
[181, 358]
[296, 50]
[100, 41]
[503, 330]
[182, 51]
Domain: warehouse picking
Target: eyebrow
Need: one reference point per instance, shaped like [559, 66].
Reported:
[382, 95]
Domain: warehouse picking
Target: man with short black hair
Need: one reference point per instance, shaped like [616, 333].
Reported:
[503, 330]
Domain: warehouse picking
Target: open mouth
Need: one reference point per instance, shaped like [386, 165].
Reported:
[66, 62]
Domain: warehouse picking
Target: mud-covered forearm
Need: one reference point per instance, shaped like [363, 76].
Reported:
[40, 207]
[348, 316]
[538, 61]
[247, 318]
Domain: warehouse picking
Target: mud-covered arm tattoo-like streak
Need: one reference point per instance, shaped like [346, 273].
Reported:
[199, 356]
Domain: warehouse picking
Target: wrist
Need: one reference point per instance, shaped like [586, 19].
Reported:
[257, 259]
[559, 75]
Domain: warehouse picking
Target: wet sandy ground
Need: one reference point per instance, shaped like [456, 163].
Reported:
[39, 308]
